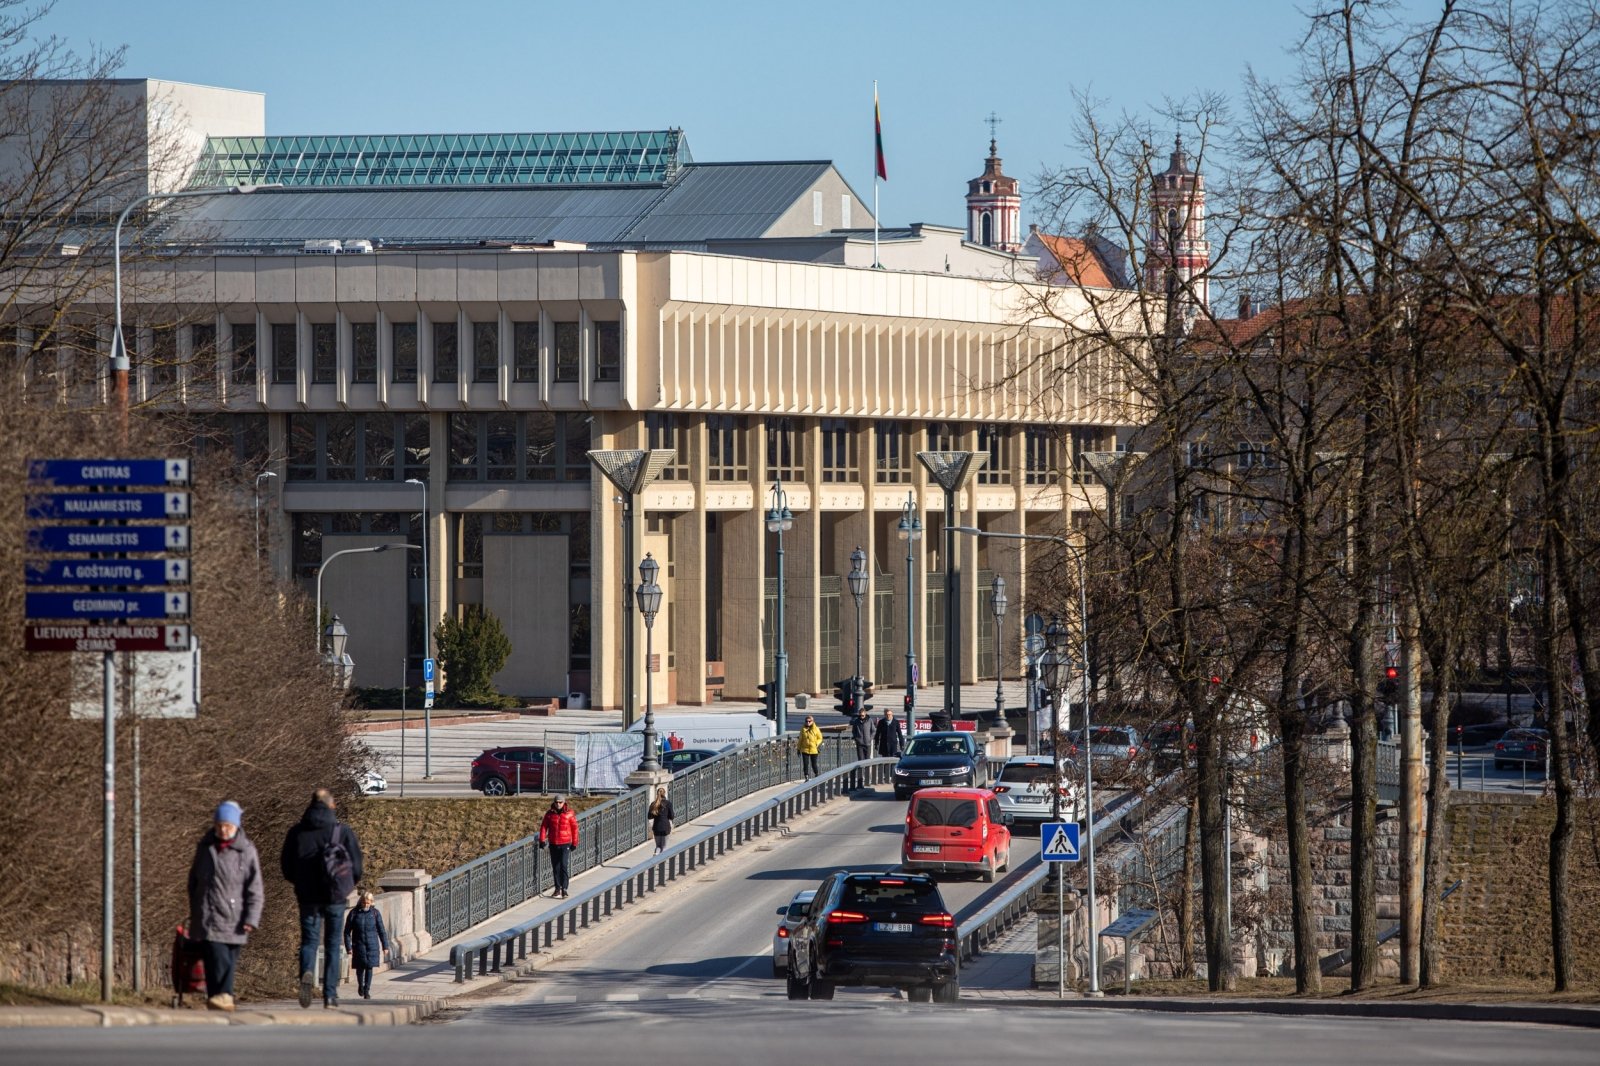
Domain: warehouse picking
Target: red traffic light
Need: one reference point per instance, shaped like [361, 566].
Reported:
[1391, 672]
[1216, 679]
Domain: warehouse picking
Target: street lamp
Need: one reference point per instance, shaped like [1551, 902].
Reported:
[858, 588]
[338, 639]
[427, 639]
[263, 474]
[779, 520]
[999, 603]
[910, 531]
[950, 471]
[376, 548]
[649, 603]
[1056, 642]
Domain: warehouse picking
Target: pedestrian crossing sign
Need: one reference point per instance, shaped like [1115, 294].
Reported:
[1058, 842]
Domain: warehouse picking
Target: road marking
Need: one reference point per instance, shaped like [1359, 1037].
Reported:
[622, 997]
[765, 956]
[560, 999]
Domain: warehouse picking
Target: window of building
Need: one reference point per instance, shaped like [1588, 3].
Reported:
[995, 442]
[608, 351]
[1042, 457]
[1085, 439]
[567, 351]
[1197, 453]
[839, 463]
[203, 356]
[84, 369]
[507, 446]
[163, 355]
[486, 352]
[446, 357]
[500, 446]
[419, 447]
[364, 352]
[405, 351]
[310, 527]
[986, 235]
[786, 449]
[343, 446]
[893, 453]
[946, 437]
[727, 457]
[377, 447]
[324, 352]
[285, 354]
[1255, 455]
[577, 431]
[244, 353]
[666, 430]
[525, 350]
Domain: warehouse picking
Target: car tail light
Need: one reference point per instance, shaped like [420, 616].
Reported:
[1132, 751]
[1001, 790]
[943, 921]
[1499, 746]
[783, 932]
[846, 918]
[887, 881]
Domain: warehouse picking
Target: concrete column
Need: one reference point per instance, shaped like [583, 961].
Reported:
[743, 582]
[406, 892]
[690, 567]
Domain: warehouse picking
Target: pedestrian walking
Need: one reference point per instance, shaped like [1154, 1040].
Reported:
[888, 739]
[861, 733]
[661, 819]
[560, 831]
[322, 859]
[366, 941]
[224, 900]
[810, 744]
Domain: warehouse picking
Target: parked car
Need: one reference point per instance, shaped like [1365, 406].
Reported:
[1521, 746]
[684, 758]
[1026, 784]
[370, 783]
[521, 768]
[956, 830]
[885, 929]
[938, 759]
[793, 915]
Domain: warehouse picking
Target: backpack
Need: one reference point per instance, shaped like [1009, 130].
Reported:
[338, 872]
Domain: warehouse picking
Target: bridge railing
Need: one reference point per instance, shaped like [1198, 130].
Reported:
[488, 954]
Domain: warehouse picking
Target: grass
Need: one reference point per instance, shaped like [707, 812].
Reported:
[81, 994]
[439, 834]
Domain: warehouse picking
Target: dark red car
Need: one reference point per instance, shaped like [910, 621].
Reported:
[521, 768]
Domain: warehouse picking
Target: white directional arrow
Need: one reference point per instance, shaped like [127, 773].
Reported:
[177, 571]
[178, 471]
[177, 504]
[177, 604]
[177, 536]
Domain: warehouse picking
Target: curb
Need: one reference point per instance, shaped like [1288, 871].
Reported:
[284, 1014]
[1524, 1013]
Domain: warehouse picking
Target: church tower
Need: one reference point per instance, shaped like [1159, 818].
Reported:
[1179, 254]
[994, 205]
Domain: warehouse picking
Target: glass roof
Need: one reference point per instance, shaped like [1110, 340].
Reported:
[642, 157]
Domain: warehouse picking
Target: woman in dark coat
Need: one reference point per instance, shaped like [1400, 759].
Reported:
[661, 819]
[366, 941]
[224, 900]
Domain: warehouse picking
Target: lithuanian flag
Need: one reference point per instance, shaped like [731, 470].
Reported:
[877, 130]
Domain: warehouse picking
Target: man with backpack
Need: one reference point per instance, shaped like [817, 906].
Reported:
[322, 859]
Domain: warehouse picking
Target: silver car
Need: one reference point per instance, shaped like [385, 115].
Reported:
[1024, 786]
[793, 915]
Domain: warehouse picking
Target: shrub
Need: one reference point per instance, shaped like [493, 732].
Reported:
[472, 650]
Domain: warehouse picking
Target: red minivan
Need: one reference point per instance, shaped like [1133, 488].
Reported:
[953, 830]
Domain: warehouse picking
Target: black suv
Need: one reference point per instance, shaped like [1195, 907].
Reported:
[947, 759]
[888, 929]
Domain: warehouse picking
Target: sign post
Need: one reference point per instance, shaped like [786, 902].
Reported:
[1058, 842]
[96, 598]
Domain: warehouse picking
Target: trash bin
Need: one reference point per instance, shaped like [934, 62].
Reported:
[577, 701]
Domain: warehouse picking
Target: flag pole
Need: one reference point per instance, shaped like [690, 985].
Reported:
[877, 165]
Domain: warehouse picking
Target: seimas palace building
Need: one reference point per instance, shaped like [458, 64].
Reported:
[421, 338]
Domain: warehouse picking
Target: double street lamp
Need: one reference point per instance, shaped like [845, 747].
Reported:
[858, 588]
[780, 520]
[910, 531]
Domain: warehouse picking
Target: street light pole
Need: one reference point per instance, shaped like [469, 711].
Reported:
[427, 637]
[950, 471]
[649, 597]
[1080, 553]
[263, 474]
[779, 520]
[858, 588]
[910, 529]
[999, 603]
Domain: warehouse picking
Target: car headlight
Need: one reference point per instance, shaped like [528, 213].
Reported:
[901, 773]
[961, 770]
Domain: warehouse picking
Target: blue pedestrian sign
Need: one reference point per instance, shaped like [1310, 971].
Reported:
[427, 671]
[97, 606]
[114, 505]
[124, 473]
[1058, 842]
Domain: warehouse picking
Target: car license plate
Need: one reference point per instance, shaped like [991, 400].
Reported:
[925, 849]
[1032, 799]
[933, 780]
[891, 927]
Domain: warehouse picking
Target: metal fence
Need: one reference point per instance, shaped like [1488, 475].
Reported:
[461, 898]
[1388, 772]
[489, 953]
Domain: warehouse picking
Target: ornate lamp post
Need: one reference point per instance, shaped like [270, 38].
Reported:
[338, 639]
[858, 588]
[649, 603]
[780, 520]
[999, 603]
[910, 530]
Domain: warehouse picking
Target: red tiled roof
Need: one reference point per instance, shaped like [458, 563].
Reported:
[1078, 261]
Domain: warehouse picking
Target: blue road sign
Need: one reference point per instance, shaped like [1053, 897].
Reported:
[108, 572]
[97, 606]
[108, 538]
[118, 505]
[124, 472]
[427, 670]
[1058, 842]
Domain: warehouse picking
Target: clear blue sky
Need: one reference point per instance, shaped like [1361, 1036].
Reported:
[745, 79]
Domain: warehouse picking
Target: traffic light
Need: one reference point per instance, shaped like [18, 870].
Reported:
[1389, 687]
[844, 695]
[864, 694]
[769, 699]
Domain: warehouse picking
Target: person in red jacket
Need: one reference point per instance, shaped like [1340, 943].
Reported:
[560, 830]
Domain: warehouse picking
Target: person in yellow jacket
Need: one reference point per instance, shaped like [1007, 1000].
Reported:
[810, 744]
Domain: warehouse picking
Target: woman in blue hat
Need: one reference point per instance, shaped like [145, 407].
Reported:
[224, 900]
